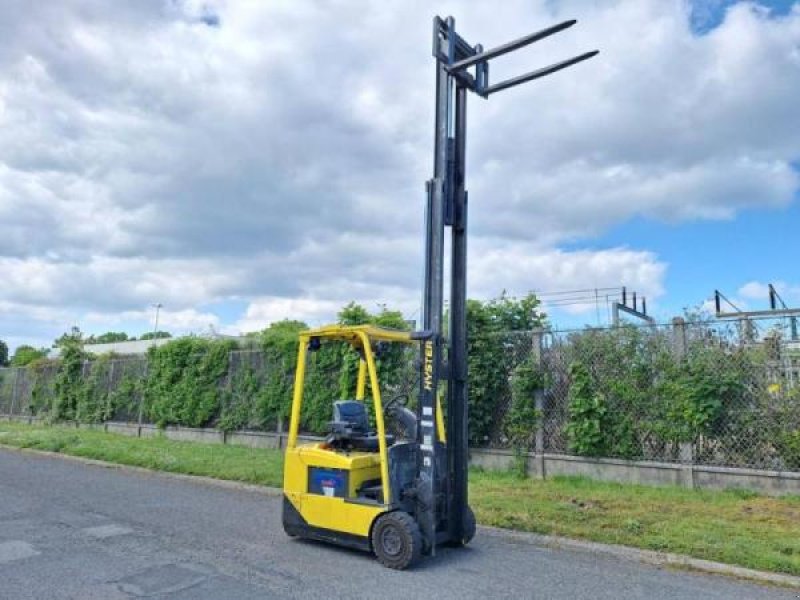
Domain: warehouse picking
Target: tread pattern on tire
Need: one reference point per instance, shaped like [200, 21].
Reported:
[410, 533]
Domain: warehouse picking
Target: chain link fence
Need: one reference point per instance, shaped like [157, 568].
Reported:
[713, 393]
[493, 361]
[253, 393]
[708, 393]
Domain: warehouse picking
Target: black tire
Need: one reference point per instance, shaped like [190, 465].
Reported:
[469, 526]
[396, 540]
[467, 533]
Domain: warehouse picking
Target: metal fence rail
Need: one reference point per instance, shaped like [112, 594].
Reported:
[709, 393]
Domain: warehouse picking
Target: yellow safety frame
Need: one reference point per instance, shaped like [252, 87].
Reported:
[362, 335]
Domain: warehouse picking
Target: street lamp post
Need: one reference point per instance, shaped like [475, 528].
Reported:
[158, 307]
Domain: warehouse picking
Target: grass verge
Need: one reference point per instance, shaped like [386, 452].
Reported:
[263, 467]
[734, 527]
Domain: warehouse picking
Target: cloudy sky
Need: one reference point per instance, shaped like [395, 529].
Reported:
[242, 162]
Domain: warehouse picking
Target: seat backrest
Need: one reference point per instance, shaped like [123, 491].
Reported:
[352, 412]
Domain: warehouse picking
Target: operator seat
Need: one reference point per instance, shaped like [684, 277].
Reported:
[350, 428]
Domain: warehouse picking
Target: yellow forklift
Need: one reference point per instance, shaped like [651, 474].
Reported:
[401, 496]
[358, 487]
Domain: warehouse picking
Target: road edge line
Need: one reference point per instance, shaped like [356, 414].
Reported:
[650, 557]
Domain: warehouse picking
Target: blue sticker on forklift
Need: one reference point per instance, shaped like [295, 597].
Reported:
[327, 482]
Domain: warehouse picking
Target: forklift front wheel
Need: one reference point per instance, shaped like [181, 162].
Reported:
[469, 526]
[467, 533]
[396, 540]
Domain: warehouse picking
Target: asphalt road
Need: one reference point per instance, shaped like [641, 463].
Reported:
[69, 530]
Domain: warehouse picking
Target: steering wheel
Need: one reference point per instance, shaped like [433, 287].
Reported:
[396, 400]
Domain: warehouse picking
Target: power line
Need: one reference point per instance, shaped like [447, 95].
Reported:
[582, 291]
[614, 297]
[580, 301]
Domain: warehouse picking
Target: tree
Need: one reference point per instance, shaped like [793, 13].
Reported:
[158, 335]
[109, 337]
[354, 314]
[25, 355]
[69, 383]
[3, 354]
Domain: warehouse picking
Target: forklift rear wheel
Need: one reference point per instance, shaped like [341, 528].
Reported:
[396, 540]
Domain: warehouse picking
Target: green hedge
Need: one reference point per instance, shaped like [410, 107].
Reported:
[498, 340]
[183, 381]
[622, 392]
[631, 394]
[197, 382]
[192, 381]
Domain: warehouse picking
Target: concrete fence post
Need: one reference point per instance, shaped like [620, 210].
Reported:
[687, 464]
[686, 449]
[14, 392]
[142, 397]
[538, 457]
[110, 384]
[679, 337]
[226, 398]
[86, 369]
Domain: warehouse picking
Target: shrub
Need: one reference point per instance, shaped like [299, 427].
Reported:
[239, 401]
[279, 344]
[492, 356]
[24, 355]
[69, 382]
[788, 445]
[588, 420]
[43, 373]
[523, 416]
[184, 380]
[124, 401]
[93, 399]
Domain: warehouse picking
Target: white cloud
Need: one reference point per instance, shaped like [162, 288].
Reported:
[263, 311]
[754, 290]
[176, 321]
[194, 152]
[113, 283]
[524, 268]
[759, 292]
